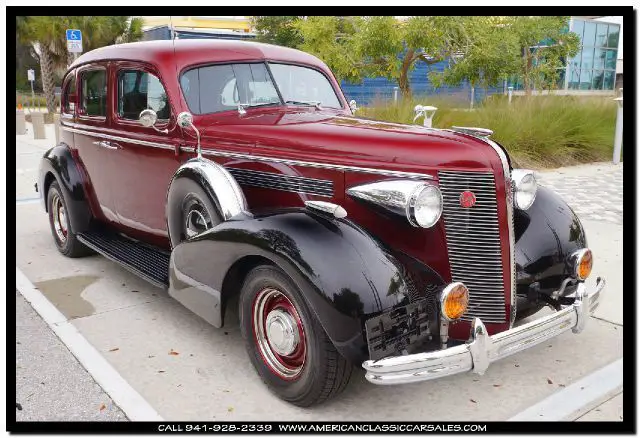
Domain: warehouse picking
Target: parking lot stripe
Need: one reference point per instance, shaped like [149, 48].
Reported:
[578, 398]
[128, 399]
[21, 201]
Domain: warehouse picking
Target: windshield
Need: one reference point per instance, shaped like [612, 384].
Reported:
[216, 88]
[299, 85]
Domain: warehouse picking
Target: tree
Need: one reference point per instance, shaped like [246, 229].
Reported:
[544, 43]
[46, 34]
[355, 47]
[488, 56]
[280, 30]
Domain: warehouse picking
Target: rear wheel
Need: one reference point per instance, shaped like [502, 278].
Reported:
[191, 212]
[63, 234]
[286, 343]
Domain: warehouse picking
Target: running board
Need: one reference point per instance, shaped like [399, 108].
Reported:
[148, 263]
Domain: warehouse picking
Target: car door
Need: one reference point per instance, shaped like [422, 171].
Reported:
[146, 158]
[91, 136]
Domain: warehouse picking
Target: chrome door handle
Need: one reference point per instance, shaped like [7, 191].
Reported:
[106, 144]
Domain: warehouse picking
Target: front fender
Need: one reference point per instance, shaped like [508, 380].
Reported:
[342, 272]
[60, 162]
[546, 234]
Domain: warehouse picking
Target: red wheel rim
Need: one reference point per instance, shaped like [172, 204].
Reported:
[279, 333]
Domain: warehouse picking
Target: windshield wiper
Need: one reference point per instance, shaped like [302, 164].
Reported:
[242, 106]
[315, 103]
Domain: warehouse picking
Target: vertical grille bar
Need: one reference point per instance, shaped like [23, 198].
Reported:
[473, 240]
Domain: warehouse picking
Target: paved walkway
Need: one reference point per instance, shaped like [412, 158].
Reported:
[594, 191]
[50, 383]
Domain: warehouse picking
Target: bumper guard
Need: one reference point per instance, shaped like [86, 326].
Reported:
[481, 349]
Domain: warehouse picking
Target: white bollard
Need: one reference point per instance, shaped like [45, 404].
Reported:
[510, 92]
[56, 126]
[617, 142]
[395, 94]
[37, 121]
[21, 125]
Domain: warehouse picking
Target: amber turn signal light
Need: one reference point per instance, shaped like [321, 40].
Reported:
[454, 301]
[583, 263]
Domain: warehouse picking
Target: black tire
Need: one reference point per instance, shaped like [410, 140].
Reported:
[183, 195]
[324, 372]
[63, 234]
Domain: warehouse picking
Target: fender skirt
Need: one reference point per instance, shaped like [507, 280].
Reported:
[60, 162]
[343, 273]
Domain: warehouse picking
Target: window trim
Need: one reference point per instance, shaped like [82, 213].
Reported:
[79, 107]
[134, 66]
[265, 61]
[71, 76]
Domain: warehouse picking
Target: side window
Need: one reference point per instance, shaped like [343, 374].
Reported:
[69, 96]
[139, 90]
[94, 93]
[218, 88]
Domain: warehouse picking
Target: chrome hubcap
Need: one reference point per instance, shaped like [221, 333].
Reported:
[197, 218]
[278, 333]
[59, 214]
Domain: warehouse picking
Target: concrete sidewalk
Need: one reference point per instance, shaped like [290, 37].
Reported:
[50, 383]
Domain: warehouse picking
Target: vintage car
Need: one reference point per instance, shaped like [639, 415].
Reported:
[235, 173]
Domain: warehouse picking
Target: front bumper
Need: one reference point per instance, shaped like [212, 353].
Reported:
[481, 349]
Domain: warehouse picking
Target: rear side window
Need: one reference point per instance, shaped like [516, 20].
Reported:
[94, 93]
[139, 90]
[218, 88]
[69, 96]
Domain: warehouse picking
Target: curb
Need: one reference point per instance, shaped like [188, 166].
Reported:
[578, 398]
[134, 406]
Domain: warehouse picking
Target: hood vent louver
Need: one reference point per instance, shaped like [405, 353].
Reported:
[478, 132]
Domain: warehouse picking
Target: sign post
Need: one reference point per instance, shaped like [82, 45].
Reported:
[74, 42]
[31, 76]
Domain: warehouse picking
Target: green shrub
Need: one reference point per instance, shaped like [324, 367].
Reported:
[540, 131]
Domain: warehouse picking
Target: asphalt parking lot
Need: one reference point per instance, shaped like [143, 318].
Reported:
[188, 370]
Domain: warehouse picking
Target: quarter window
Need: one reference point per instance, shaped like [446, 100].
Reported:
[94, 93]
[139, 90]
[69, 97]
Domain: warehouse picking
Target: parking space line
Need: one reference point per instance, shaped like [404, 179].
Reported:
[22, 201]
[135, 407]
[578, 398]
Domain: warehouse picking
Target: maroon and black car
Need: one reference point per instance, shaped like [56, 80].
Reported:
[236, 172]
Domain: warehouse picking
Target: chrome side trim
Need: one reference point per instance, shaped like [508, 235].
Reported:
[412, 175]
[327, 207]
[117, 138]
[481, 350]
[398, 173]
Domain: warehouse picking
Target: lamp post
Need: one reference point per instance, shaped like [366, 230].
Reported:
[617, 142]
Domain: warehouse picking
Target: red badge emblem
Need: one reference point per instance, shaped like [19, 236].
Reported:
[467, 199]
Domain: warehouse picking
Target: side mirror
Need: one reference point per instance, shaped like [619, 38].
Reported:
[185, 119]
[148, 118]
[353, 106]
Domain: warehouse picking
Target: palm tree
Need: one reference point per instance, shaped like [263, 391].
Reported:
[47, 36]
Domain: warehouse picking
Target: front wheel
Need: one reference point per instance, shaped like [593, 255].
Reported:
[63, 234]
[286, 343]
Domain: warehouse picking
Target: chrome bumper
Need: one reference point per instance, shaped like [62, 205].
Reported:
[482, 349]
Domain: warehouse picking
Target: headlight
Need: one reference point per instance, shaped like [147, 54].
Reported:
[425, 206]
[419, 202]
[454, 301]
[524, 188]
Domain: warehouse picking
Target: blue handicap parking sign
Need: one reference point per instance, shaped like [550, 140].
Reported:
[74, 35]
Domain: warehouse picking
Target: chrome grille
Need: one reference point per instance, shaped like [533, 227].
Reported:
[473, 239]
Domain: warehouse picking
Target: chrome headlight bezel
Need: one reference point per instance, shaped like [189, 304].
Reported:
[413, 216]
[401, 197]
[521, 179]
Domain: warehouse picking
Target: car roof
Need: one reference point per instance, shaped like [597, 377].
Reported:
[197, 51]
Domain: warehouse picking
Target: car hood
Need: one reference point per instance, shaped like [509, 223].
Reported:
[337, 138]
